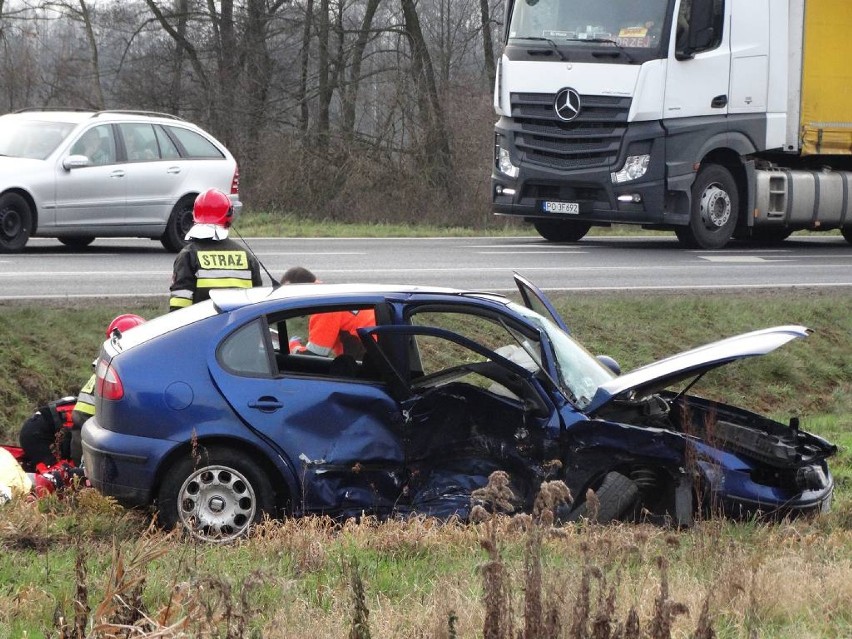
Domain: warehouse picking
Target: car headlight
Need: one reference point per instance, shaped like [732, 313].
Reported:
[635, 166]
[504, 160]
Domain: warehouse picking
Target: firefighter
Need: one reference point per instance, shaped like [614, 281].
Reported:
[211, 260]
[333, 333]
[84, 408]
[45, 436]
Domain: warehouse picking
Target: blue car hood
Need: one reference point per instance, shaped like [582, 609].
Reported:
[662, 374]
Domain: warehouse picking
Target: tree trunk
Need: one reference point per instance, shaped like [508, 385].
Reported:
[437, 142]
[350, 88]
[487, 42]
[324, 77]
[85, 15]
[175, 92]
[304, 59]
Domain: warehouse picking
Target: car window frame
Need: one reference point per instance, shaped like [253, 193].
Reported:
[275, 319]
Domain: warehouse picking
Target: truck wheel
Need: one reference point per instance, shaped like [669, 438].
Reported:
[16, 223]
[715, 209]
[180, 221]
[561, 231]
[847, 233]
[216, 495]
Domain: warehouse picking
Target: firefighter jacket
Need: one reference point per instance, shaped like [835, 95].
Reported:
[85, 406]
[203, 265]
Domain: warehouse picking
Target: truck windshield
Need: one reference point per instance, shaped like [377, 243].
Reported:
[627, 23]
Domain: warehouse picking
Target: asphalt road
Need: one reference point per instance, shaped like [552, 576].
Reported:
[127, 267]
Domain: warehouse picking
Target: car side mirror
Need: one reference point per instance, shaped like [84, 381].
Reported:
[75, 162]
[610, 363]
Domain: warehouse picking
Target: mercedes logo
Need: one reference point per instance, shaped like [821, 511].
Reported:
[567, 104]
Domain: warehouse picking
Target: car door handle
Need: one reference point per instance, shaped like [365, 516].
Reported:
[719, 102]
[117, 173]
[266, 404]
[173, 169]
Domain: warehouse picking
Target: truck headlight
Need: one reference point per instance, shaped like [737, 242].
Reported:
[504, 160]
[635, 166]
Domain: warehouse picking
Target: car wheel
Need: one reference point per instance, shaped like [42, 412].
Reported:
[715, 209]
[561, 231]
[616, 495]
[847, 233]
[76, 241]
[180, 221]
[215, 495]
[16, 222]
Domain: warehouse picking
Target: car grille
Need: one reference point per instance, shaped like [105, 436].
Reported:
[592, 140]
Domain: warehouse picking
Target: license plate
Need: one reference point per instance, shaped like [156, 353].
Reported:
[571, 208]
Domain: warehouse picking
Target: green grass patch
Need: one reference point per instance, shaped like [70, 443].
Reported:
[284, 224]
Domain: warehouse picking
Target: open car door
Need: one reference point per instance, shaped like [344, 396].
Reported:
[536, 300]
[468, 412]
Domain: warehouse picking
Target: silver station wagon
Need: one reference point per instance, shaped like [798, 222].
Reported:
[78, 175]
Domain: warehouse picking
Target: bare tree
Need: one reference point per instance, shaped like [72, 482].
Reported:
[437, 144]
[487, 42]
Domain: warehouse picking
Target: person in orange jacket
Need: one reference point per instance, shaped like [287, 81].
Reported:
[332, 333]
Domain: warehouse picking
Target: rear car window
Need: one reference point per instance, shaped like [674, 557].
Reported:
[245, 351]
[196, 145]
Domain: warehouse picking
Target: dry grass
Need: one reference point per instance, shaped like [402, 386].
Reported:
[507, 577]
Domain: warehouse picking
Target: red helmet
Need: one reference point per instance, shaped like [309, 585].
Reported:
[213, 207]
[123, 323]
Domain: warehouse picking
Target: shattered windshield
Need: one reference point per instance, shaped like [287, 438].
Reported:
[580, 373]
[627, 23]
[33, 140]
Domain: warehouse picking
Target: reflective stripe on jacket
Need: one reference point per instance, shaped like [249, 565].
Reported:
[203, 265]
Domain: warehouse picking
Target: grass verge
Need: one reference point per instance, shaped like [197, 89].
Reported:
[274, 224]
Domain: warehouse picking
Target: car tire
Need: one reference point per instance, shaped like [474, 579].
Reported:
[215, 494]
[77, 241]
[16, 222]
[846, 232]
[617, 496]
[561, 231]
[180, 221]
[714, 211]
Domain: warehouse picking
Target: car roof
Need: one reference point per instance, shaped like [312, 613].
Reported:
[78, 116]
[231, 299]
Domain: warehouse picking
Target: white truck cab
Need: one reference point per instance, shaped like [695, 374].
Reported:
[712, 118]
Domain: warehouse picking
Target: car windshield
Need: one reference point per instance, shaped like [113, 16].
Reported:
[580, 373]
[629, 23]
[31, 139]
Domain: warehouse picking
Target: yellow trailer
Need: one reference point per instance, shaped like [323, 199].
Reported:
[826, 97]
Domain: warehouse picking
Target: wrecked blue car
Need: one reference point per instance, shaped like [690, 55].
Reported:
[207, 415]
